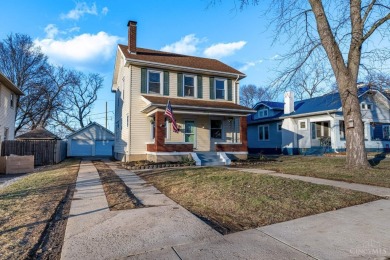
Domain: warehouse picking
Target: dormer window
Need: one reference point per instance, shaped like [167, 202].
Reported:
[154, 82]
[262, 113]
[365, 106]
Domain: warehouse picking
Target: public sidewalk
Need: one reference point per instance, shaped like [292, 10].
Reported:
[165, 230]
[375, 190]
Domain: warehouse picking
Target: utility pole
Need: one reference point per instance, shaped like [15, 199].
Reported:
[106, 114]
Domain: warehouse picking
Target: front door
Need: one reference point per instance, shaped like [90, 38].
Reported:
[190, 132]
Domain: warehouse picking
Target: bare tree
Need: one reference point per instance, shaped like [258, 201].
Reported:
[379, 80]
[25, 65]
[79, 100]
[337, 31]
[251, 94]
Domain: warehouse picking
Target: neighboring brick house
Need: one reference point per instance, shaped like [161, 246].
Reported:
[204, 98]
[8, 101]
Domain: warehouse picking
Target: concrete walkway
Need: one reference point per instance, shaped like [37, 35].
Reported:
[165, 230]
[375, 190]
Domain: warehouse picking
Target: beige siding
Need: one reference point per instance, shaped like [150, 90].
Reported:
[7, 113]
[203, 133]
[173, 84]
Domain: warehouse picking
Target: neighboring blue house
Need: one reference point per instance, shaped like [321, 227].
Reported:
[316, 125]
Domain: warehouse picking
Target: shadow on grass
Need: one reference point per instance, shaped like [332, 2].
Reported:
[377, 159]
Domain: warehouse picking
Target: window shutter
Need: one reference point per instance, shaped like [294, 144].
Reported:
[229, 90]
[166, 83]
[143, 81]
[179, 84]
[200, 87]
[212, 91]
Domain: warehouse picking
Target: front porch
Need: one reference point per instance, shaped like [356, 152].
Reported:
[199, 132]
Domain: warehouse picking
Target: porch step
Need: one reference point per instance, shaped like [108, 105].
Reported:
[210, 159]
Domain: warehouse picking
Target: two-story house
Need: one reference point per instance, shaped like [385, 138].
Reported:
[204, 95]
[316, 125]
[8, 101]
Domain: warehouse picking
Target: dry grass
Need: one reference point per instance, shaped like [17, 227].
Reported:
[119, 196]
[27, 205]
[332, 168]
[239, 200]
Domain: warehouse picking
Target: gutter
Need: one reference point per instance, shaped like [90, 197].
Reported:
[189, 69]
[200, 108]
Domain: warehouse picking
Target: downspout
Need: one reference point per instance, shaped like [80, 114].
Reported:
[237, 100]
[131, 94]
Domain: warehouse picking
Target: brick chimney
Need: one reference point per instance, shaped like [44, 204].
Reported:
[288, 102]
[132, 36]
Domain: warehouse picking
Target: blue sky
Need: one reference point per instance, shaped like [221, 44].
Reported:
[84, 35]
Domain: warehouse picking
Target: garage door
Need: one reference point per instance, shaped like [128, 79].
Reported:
[81, 148]
[103, 148]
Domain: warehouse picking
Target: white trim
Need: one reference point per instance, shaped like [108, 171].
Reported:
[236, 152]
[224, 88]
[224, 158]
[195, 133]
[195, 85]
[226, 143]
[168, 153]
[161, 81]
[176, 143]
[299, 124]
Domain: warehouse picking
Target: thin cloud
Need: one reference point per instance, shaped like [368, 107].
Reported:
[80, 49]
[80, 10]
[186, 45]
[274, 57]
[104, 10]
[51, 31]
[246, 66]
[220, 50]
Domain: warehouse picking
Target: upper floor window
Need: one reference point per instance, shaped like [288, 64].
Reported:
[220, 88]
[154, 82]
[366, 106]
[302, 124]
[12, 100]
[262, 113]
[189, 86]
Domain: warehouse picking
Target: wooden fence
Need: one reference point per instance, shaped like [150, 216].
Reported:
[46, 152]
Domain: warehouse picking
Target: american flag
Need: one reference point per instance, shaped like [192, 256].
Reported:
[169, 113]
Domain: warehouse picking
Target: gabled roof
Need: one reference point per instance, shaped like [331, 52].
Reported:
[201, 105]
[270, 104]
[178, 61]
[6, 82]
[88, 126]
[38, 133]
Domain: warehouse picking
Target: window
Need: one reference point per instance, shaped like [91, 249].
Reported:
[5, 133]
[220, 89]
[154, 82]
[152, 129]
[320, 129]
[279, 127]
[189, 86]
[302, 124]
[342, 129]
[127, 120]
[216, 129]
[11, 102]
[386, 132]
[366, 106]
[263, 132]
[262, 113]
[189, 132]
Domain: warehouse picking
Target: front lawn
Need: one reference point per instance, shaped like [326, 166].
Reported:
[331, 168]
[31, 221]
[237, 201]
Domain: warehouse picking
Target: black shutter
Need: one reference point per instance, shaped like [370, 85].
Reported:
[143, 81]
[212, 90]
[166, 83]
[179, 84]
[200, 87]
[229, 90]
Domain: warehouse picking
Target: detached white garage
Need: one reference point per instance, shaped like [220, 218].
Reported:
[92, 140]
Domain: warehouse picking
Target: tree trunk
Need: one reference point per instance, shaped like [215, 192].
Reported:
[354, 127]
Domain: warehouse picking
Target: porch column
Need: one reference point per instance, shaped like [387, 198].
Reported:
[159, 134]
[243, 132]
